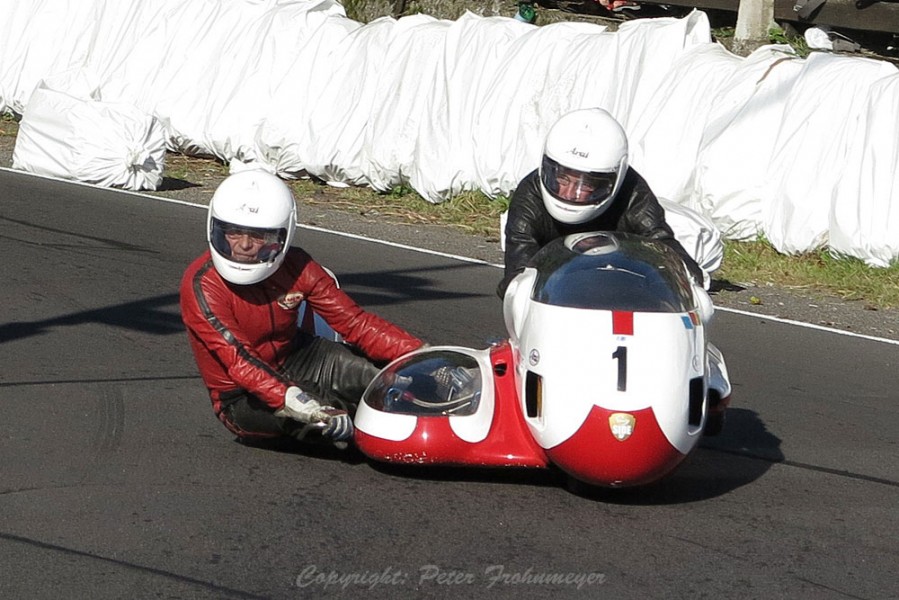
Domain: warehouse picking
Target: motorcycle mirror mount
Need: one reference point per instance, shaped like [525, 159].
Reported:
[515, 302]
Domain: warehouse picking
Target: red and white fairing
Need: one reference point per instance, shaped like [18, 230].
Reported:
[608, 394]
[605, 374]
[406, 416]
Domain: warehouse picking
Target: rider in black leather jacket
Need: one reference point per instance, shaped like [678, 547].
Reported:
[586, 150]
[584, 183]
[529, 226]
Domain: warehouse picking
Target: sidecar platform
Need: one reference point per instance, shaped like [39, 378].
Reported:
[447, 406]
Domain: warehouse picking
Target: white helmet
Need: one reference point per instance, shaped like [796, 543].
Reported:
[251, 223]
[584, 163]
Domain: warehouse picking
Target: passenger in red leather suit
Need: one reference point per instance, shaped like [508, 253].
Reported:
[266, 376]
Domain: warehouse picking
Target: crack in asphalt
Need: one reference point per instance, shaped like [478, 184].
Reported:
[130, 565]
[804, 466]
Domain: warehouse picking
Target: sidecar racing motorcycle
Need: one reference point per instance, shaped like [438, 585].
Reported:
[607, 374]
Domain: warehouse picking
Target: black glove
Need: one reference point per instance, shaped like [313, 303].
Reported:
[338, 424]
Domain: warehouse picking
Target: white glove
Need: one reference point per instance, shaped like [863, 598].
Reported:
[300, 406]
[303, 407]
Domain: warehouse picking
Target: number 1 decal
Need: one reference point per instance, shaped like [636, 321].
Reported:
[621, 356]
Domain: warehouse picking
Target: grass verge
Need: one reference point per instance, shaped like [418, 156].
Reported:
[759, 264]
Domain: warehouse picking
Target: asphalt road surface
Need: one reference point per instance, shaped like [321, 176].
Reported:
[117, 481]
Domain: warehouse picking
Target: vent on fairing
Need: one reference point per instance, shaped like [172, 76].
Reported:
[533, 394]
[696, 398]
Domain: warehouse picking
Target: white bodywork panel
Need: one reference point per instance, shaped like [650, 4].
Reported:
[575, 352]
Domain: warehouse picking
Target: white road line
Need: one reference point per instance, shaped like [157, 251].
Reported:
[807, 325]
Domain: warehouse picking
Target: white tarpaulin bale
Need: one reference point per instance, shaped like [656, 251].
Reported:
[39, 38]
[107, 144]
[666, 137]
[473, 53]
[209, 68]
[286, 133]
[864, 220]
[697, 234]
[647, 50]
[394, 125]
[260, 57]
[730, 180]
[553, 70]
[561, 67]
[332, 129]
[821, 114]
[527, 95]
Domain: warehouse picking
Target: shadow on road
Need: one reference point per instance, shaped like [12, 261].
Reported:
[144, 315]
[739, 456]
[387, 287]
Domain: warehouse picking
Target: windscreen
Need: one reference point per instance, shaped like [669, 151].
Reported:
[612, 271]
[430, 383]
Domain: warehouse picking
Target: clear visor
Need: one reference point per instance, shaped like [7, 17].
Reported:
[249, 245]
[577, 187]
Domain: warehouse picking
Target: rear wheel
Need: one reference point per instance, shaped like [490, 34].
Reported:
[714, 421]
[714, 424]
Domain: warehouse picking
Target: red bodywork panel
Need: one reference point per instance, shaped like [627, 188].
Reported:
[595, 456]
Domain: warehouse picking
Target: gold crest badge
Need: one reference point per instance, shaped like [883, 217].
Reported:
[290, 301]
[622, 425]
